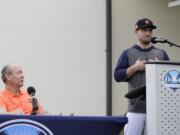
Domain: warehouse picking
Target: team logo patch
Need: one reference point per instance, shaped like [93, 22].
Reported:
[172, 80]
[147, 22]
[23, 127]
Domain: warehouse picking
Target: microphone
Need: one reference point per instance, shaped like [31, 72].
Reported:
[32, 92]
[155, 40]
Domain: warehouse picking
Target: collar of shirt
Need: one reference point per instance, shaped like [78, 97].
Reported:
[143, 49]
[10, 94]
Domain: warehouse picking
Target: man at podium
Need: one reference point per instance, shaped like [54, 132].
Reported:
[131, 68]
[13, 99]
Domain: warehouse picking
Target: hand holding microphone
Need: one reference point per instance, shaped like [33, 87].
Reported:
[31, 92]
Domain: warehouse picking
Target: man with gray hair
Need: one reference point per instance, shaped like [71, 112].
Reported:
[13, 99]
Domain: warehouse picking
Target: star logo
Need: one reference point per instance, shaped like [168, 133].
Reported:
[147, 22]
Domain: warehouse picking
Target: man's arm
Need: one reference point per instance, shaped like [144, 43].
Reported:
[166, 57]
[18, 112]
[123, 71]
[121, 67]
[3, 108]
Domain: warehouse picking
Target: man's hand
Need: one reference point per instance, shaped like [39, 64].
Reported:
[18, 111]
[139, 65]
[42, 112]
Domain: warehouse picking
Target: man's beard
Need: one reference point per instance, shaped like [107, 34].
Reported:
[146, 42]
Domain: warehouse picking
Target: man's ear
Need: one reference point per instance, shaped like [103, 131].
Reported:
[8, 77]
[135, 31]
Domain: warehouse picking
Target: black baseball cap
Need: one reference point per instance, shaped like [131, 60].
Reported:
[144, 23]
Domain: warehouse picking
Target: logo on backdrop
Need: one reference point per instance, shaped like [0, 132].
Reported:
[23, 127]
[172, 80]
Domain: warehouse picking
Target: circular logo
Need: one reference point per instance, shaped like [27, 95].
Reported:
[172, 80]
[23, 127]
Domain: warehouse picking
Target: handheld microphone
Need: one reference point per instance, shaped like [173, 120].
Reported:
[155, 40]
[32, 92]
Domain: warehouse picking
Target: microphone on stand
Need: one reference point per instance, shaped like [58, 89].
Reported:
[155, 40]
[32, 92]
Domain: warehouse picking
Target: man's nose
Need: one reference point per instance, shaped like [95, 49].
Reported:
[22, 76]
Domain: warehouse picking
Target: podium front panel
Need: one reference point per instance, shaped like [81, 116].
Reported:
[163, 99]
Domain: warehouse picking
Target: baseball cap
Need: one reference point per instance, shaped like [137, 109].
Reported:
[144, 23]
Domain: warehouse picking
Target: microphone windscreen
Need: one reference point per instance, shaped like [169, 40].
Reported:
[153, 40]
[31, 90]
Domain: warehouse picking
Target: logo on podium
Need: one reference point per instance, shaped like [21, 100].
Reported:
[23, 127]
[172, 80]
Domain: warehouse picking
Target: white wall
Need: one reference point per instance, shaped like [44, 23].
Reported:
[125, 13]
[61, 47]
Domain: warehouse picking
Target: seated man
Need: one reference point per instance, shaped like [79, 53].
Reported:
[13, 99]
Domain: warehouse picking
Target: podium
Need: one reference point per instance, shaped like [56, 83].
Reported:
[163, 98]
[60, 125]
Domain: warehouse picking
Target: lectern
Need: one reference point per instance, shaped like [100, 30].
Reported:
[163, 98]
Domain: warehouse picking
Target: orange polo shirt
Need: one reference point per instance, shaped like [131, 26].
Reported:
[12, 102]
